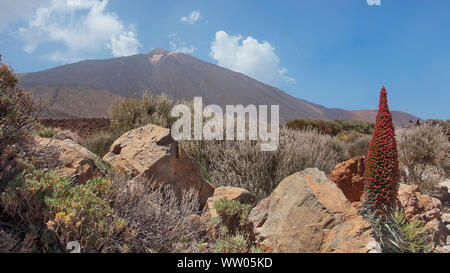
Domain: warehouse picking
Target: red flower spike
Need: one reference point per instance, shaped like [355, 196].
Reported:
[382, 174]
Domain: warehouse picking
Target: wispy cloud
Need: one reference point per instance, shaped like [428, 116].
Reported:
[14, 10]
[192, 18]
[253, 58]
[177, 45]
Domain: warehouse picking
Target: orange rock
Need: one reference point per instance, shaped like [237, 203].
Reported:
[349, 177]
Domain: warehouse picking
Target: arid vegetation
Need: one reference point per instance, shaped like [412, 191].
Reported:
[17, 114]
[42, 211]
[332, 127]
[424, 155]
[243, 164]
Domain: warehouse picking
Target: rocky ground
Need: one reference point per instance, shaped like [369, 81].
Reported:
[307, 212]
[431, 211]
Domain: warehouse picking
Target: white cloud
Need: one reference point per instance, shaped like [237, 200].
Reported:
[13, 10]
[82, 26]
[182, 48]
[255, 59]
[126, 45]
[179, 46]
[192, 18]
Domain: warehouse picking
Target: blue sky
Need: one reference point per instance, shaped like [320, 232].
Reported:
[334, 53]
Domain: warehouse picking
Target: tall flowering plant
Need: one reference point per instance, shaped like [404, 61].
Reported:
[382, 173]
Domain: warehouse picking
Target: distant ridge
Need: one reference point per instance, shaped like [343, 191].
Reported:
[87, 89]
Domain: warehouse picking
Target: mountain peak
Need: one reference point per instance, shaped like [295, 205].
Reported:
[158, 51]
[96, 84]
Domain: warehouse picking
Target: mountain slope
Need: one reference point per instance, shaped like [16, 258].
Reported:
[88, 88]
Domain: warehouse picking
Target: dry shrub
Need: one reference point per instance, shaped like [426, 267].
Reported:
[8, 242]
[358, 147]
[423, 155]
[157, 216]
[243, 164]
[99, 143]
[13, 239]
[349, 136]
[134, 112]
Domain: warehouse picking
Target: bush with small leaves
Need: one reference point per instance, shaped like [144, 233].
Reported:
[233, 213]
[233, 231]
[231, 244]
[59, 213]
[99, 143]
[332, 127]
[133, 112]
[43, 131]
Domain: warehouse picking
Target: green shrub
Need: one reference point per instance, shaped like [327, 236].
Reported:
[323, 126]
[59, 213]
[232, 227]
[134, 112]
[103, 165]
[43, 131]
[99, 143]
[332, 127]
[232, 212]
[231, 244]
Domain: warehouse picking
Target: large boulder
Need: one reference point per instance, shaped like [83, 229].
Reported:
[423, 208]
[349, 177]
[307, 212]
[151, 152]
[66, 157]
[231, 193]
